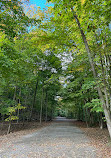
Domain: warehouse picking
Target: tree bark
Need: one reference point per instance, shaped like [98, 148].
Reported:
[106, 111]
[86, 118]
[41, 108]
[18, 103]
[2, 122]
[101, 121]
[9, 126]
[35, 92]
[46, 106]
[104, 81]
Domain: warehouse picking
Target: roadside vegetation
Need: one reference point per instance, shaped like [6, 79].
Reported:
[55, 61]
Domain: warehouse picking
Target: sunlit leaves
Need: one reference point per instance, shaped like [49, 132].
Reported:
[95, 105]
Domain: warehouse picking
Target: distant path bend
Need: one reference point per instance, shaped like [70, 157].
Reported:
[59, 140]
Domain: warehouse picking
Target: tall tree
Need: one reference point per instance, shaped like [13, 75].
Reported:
[79, 16]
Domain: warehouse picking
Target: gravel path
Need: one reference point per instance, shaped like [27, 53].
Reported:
[59, 140]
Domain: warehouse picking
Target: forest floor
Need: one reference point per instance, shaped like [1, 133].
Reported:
[17, 131]
[57, 139]
[20, 129]
[98, 138]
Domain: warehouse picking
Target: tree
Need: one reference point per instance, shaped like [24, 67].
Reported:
[79, 16]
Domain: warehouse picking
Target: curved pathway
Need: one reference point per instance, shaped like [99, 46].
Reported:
[59, 140]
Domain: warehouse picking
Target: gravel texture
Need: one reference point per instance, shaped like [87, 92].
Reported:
[59, 140]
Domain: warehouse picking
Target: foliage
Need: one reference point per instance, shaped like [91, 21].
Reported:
[95, 105]
[66, 54]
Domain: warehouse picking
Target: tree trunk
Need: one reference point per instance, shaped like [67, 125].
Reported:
[86, 118]
[2, 122]
[24, 111]
[108, 119]
[9, 126]
[18, 103]
[104, 81]
[14, 97]
[35, 92]
[108, 71]
[46, 106]
[106, 111]
[41, 108]
[101, 121]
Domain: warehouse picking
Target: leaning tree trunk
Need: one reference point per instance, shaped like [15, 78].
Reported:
[106, 110]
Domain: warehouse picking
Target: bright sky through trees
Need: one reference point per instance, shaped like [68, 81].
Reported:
[40, 3]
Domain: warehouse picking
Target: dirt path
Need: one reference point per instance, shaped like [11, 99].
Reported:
[59, 140]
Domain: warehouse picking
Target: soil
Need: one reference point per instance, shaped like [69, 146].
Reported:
[20, 127]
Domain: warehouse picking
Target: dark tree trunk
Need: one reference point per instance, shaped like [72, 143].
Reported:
[35, 92]
[41, 108]
[46, 105]
[18, 103]
[105, 106]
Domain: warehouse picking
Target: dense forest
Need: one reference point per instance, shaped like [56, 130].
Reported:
[55, 61]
